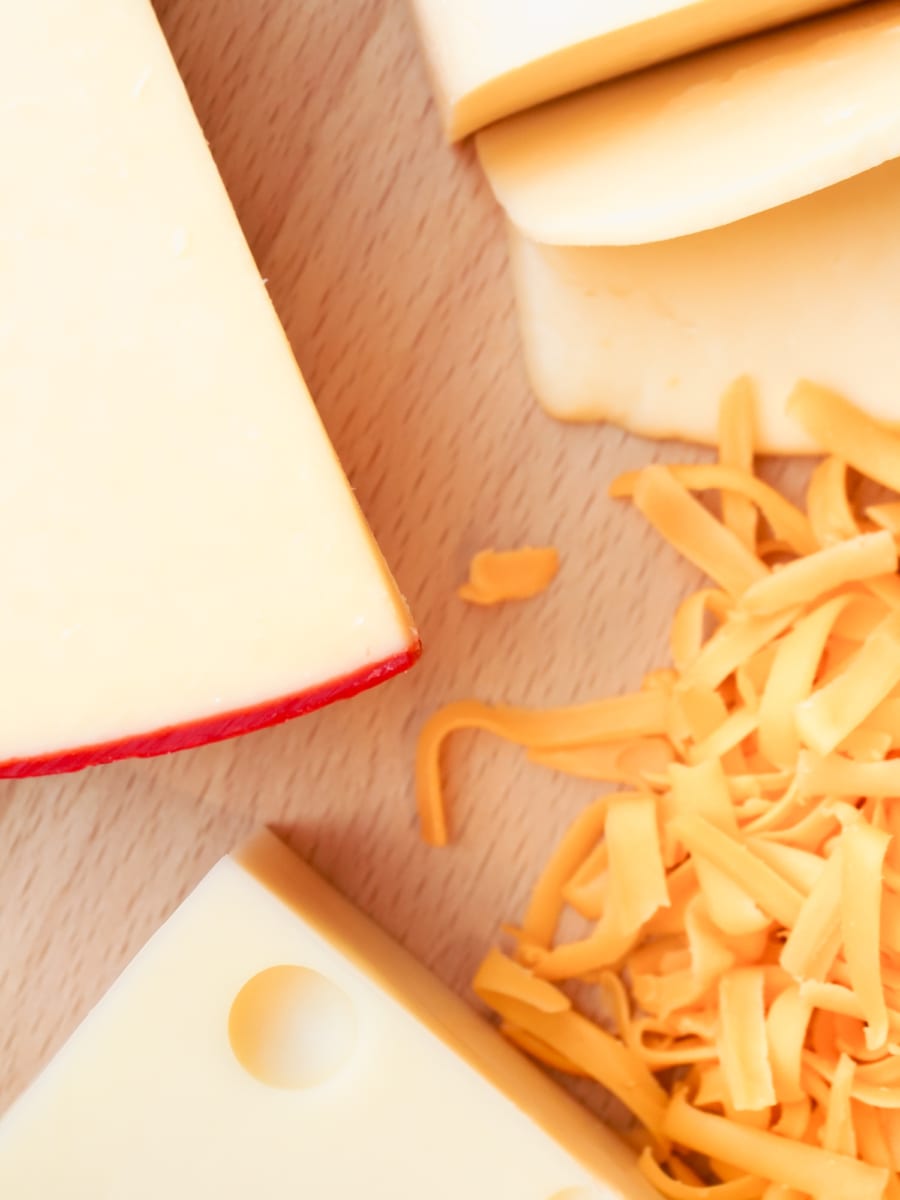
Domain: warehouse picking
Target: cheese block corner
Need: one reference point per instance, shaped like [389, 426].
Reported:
[491, 58]
[270, 1041]
[183, 557]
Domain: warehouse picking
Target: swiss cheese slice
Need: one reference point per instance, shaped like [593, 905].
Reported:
[271, 1042]
[651, 336]
[707, 140]
[490, 58]
[182, 557]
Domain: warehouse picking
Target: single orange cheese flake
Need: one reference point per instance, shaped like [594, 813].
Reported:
[736, 905]
[496, 576]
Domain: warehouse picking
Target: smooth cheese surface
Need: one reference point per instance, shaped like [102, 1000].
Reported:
[651, 336]
[270, 1042]
[178, 540]
[490, 58]
[707, 140]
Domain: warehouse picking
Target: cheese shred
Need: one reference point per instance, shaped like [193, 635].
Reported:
[736, 905]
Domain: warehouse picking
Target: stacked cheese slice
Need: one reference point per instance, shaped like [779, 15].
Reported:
[182, 557]
[725, 214]
[490, 58]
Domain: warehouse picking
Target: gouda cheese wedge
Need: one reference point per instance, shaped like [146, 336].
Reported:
[182, 557]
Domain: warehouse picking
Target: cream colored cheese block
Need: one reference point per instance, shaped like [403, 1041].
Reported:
[708, 140]
[182, 556]
[270, 1042]
[651, 336]
[490, 58]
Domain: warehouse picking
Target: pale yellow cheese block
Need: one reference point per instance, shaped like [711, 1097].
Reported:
[707, 140]
[270, 1042]
[651, 336]
[490, 58]
[179, 545]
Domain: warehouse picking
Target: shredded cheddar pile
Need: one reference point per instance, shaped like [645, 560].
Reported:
[741, 892]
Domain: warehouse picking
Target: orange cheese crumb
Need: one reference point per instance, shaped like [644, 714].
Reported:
[737, 903]
[496, 576]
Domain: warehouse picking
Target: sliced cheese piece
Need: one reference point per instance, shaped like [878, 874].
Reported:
[490, 58]
[270, 1041]
[704, 141]
[651, 336]
[183, 559]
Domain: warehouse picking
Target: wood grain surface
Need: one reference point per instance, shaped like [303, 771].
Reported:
[385, 256]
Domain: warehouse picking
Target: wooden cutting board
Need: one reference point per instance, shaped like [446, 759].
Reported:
[385, 256]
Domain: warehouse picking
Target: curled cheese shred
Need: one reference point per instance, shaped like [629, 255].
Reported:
[787, 1022]
[689, 626]
[635, 895]
[733, 858]
[579, 1040]
[864, 849]
[809, 1169]
[611, 762]
[644, 713]
[737, 903]
[886, 516]
[835, 775]
[791, 679]
[501, 975]
[540, 1051]
[805, 579]
[692, 530]
[747, 1187]
[744, 1051]
[790, 526]
[496, 576]
[547, 902]
[733, 644]
[832, 713]
[838, 1132]
[828, 505]
[737, 420]
[813, 943]
[843, 430]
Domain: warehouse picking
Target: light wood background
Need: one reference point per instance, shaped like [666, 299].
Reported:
[386, 259]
